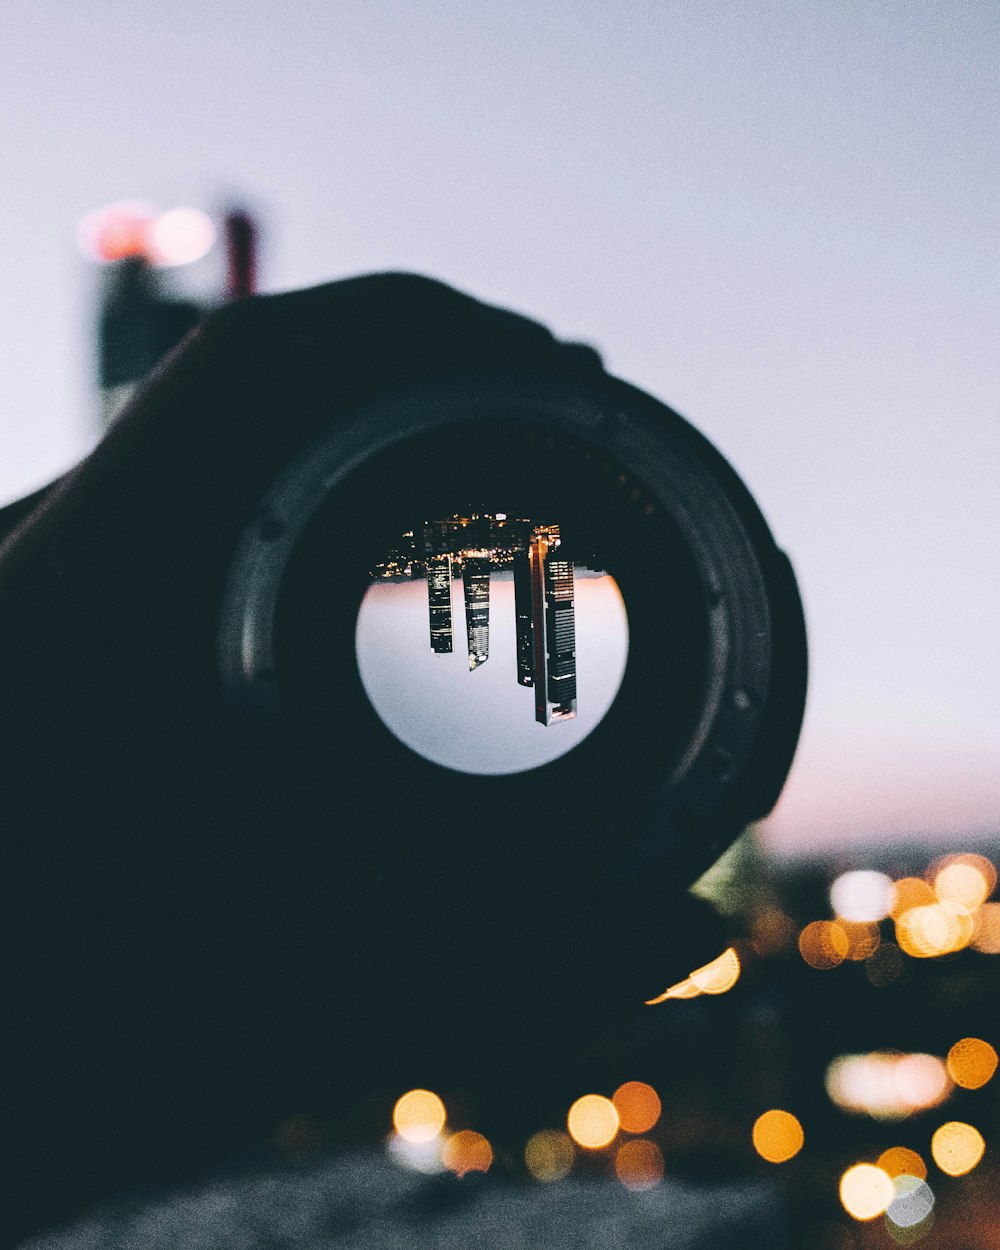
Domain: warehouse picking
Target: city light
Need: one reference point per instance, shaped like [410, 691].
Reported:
[971, 1062]
[823, 944]
[912, 1203]
[639, 1164]
[957, 1147]
[638, 1106]
[418, 1156]
[180, 237]
[886, 1085]
[133, 229]
[549, 1155]
[863, 939]
[466, 1152]
[901, 1161]
[986, 938]
[933, 930]
[862, 896]
[712, 978]
[593, 1121]
[777, 1136]
[910, 892]
[866, 1191]
[963, 882]
[419, 1116]
[718, 976]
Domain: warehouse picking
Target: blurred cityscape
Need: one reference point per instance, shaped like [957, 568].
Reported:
[843, 1048]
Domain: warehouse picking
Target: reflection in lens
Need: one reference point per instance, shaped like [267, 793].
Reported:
[488, 646]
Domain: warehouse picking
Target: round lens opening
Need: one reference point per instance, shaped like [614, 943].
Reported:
[487, 643]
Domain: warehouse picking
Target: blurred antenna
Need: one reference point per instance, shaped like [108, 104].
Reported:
[240, 232]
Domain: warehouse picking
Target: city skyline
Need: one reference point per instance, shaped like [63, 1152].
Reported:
[473, 547]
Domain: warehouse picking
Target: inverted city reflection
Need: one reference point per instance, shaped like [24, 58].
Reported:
[550, 619]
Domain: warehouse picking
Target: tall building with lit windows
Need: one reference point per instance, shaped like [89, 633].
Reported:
[522, 617]
[439, 602]
[553, 614]
[476, 581]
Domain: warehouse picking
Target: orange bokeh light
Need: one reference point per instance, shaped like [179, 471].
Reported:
[713, 978]
[901, 1161]
[971, 1062]
[639, 1164]
[910, 892]
[467, 1151]
[777, 1136]
[986, 938]
[933, 930]
[638, 1106]
[593, 1121]
[862, 938]
[823, 944]
[963, 881]
[418, 1116]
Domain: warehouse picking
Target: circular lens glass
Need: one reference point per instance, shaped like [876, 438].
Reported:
[487, 643]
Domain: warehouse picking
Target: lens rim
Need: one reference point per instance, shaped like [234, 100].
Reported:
[686, 817]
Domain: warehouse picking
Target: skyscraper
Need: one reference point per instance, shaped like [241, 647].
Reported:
[522, 617]
[553, 628]
[476, 580]
[439, 602]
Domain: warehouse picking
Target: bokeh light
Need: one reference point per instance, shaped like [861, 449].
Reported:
[638, 1106]
[683, 989]
[957, 1147]
[862, 896]
[986, 937]
[912, 1203]
[823, 944]
[180, 236]
[963, 882]
[467, 1151]
[418, 1156]
[971, 1062]
[712, 978]
[418, 1116]
[116, 232]
[910, 892]
[901, 1161]
[863, 939]
[929, 931]
[718, 976]
[639, 1164]
[886, 1085]
[133, 228]
[866, 1191]
[777, 1136]
[592, 1121]
[549, 1155]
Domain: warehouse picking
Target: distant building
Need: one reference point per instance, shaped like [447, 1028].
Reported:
[476, 581]
[522, 615]
[439, 602]
[553, 628]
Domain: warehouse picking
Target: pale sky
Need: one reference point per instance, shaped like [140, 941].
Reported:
[780, 218]
[483, 721]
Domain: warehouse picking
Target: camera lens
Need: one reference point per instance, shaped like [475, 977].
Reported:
[539, 616]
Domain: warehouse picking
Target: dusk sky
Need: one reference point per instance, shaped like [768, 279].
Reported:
[778, 217]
